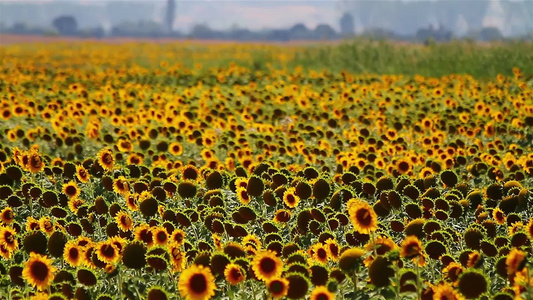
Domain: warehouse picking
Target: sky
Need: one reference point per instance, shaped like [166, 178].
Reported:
[225, 14]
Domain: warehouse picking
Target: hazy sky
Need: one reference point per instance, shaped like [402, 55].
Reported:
[252, 14]
[224, 14]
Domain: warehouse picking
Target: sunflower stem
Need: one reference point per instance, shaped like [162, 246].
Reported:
[373, 245]
[417, 269]
[528, 284]
[119, 279]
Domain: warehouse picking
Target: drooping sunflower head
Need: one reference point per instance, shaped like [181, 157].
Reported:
[350, 259]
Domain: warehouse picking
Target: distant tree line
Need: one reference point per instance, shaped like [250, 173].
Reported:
[67, 26]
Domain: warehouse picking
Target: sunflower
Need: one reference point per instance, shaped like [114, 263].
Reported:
[290, 198]
[445, 291]
[382, 244]
[190, 172]
[241, 182]
[529, 229]
[8, 239]
[106, 159]
[124, 221]
[121, 186]
[411, 247]
[38, 271]
[119, 242]
[71, 189]
[160, 235]
[135, 159]
[403, 166]
[253, 240]
[178, 236]
[35, 162]
[243, 196]
[516, 261]
[234, 274]
[46, 225]
[266, 265]
[452, 271]
[333, 248]
[143, 233]
[321, 293]
[175, 149]
[363, 217]
[177, 257]
[7, 216]
[499, 216]
[107, 252]
[74, 204]
[131, 201]
[82, 174]
[196, 283]
[278, 287]
[73, 253]
[350, 259]
[319, 253]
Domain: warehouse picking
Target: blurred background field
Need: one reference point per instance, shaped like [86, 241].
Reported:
[359, 55]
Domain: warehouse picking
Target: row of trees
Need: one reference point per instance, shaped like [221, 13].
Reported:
[67, 26]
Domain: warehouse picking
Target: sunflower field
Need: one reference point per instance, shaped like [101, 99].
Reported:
[179, 171]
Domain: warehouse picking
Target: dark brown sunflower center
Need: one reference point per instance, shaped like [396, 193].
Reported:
[403, 166]
[36, 161]
[107, 159]
[178, 238]
[322, 253]
[161, 236]
[190, 174]
[322, 296]
[71, 190]
[267, 265]
[276, 287]
[8, 237]
[107, 251]
[73, 253]
[125, 221]
[235, 274]
[8, 215]
[363, 217]
[146, 236]
[198, 283]
[291, 199]
[39, 270]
